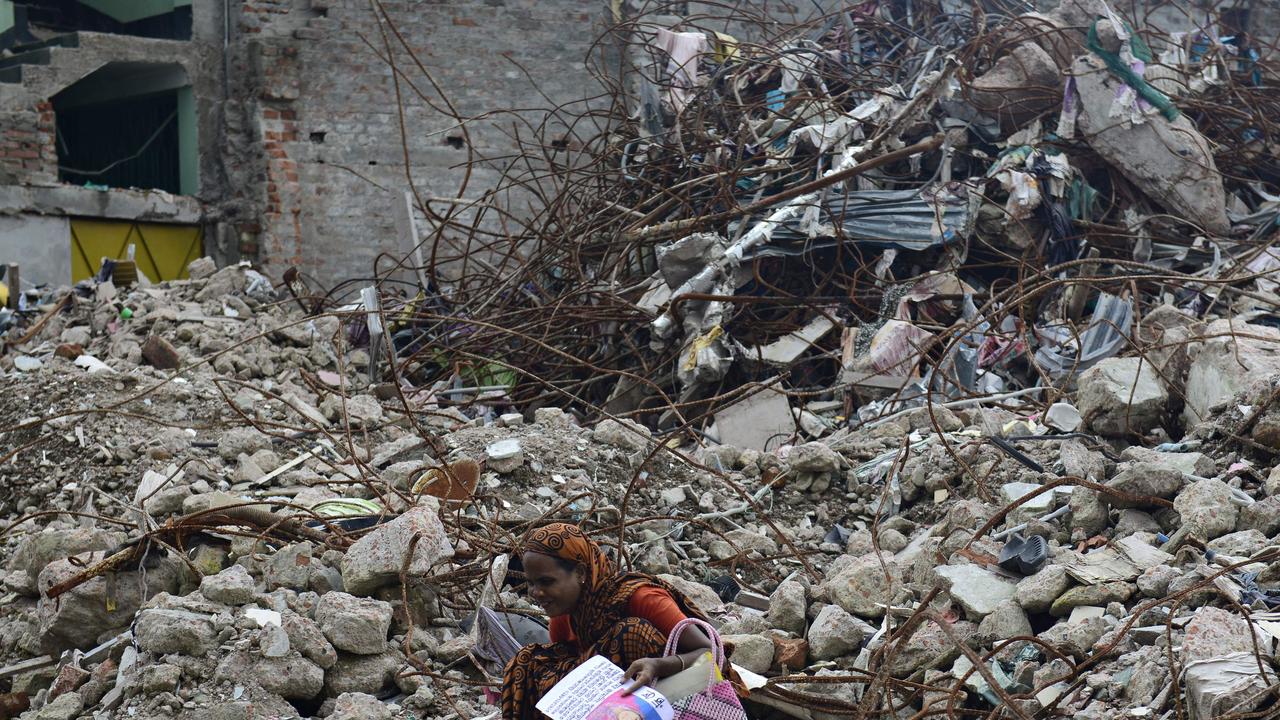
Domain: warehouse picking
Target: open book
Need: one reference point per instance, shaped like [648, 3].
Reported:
[593, 691]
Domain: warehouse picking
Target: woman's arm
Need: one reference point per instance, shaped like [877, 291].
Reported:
[647, 671]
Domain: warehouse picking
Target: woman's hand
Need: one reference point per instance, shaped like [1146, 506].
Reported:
[644, 671]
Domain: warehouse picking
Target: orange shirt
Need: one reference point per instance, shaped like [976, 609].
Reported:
[650, 603]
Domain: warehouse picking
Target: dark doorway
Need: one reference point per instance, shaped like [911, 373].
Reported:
[128, 125]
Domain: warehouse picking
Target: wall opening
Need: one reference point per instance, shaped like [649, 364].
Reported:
[129, 125]
[165, 19]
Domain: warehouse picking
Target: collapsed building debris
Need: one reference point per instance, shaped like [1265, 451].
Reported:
[934, 409]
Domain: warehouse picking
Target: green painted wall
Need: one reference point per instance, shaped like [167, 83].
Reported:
[188, 147]
[6, 15]
[127, 11]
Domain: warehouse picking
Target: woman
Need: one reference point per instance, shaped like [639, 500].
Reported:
[594, 611]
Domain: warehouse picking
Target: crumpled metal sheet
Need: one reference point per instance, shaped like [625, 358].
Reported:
[1106, 335]
[905, 219]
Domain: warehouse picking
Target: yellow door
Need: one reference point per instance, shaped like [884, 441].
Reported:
[161, 251]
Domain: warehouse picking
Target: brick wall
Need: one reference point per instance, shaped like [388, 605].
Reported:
[27, 152]
[326, 118]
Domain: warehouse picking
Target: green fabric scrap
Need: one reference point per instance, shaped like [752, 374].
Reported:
[1126, 73]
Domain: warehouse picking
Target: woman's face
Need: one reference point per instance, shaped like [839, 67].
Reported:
[555, 589]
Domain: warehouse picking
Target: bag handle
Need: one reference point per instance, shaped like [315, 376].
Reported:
[717, 645]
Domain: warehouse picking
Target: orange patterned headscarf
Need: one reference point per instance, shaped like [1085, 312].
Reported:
[606, 593]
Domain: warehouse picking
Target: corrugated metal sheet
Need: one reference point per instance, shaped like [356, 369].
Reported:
[905, 219]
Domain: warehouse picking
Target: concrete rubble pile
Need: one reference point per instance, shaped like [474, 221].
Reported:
[1035, 472]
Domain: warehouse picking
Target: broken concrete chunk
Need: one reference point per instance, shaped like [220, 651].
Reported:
[1234, 357]
[233, 586]
[368, 674]
[1169, 160]
[1036, 593]
[1099, 594]
[865, 587]
[1122, 396]
[626, 434]
[354, 625]
[813, 457]
[290, 677]
[1019, 86]
[753, 652]
[377, 558]
[835, 633]
[164, 631]
[76, 619]
[1206, 507]
[1144, 480]
[977, 590]
[787, 606]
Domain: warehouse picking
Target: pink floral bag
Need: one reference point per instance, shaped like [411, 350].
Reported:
[719, 701]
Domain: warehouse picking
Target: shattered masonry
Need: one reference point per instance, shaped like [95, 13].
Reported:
[933, 355]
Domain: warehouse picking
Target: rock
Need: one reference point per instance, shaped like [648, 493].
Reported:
[553, 417]
[835, 633]
[626, 434]
[748, 540]
[162, 631]
[364, 410]
[753, 652]
[1169, 160]
[66, 707]
[1240, 544]
[291, 677]
[1145, 479]
[1213, 632]
[352, 624]
[792, 653]
[1154, 582]
[377, 558]
[306, 637]
[701, 595]
[1099, 594]
[79, 335]
[233, 586]
[1036, 593]
[38, 549]
[1187, 463]
[672, 496]
[361, 674]
[1006, 621]
[504, 456]
[1263, 516]
[1076, 638]
[1122, 396]
[1088, 510]
[813, 457]
[160, 678]
[160, 353]
[201, 268]
[928, 647]
[1080, 461]
[76, 619]
[864, 587]
[975, 589]
[1018, 87]
[241, 441]
[1135, 521]
[273, 641]
[359, 706]
[1033, 508]
[290, 567]
[1206, 506]
[787, 606]
[1234, 357]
